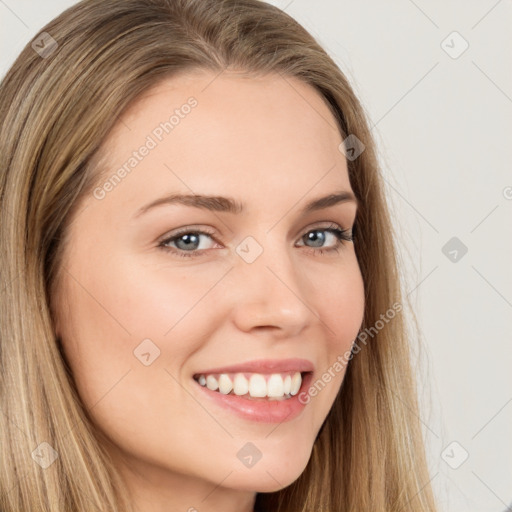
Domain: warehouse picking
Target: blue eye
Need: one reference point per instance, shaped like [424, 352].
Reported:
[189, 240]
[340, 235]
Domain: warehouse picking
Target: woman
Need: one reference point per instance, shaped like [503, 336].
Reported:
[253, 372]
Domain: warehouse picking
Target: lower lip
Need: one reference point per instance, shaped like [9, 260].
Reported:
[271, 411]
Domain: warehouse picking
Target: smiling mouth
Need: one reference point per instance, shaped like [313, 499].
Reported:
[254, 386]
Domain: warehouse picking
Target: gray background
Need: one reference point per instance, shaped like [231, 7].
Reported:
[442, 121]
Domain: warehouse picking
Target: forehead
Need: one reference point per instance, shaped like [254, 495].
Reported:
[211, 133]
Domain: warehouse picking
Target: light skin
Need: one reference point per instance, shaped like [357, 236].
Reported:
[271, 144]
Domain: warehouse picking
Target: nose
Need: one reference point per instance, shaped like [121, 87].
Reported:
[271, 294]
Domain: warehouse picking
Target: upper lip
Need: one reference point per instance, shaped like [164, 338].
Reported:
[265, 366]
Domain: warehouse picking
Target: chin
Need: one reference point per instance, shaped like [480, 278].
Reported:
[270, 477]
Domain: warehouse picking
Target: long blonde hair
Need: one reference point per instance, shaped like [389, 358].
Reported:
[58, 102]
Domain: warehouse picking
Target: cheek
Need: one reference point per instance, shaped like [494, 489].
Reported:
[125, 315]
[127, 337]
[176, 307]
[345, 308]
[339, 300]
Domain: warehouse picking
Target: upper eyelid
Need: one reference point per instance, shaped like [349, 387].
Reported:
[206, 231]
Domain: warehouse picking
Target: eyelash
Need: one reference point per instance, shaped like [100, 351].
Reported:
[340, 234]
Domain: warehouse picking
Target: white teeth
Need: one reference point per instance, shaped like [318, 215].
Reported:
[257, 386]
[225, 384]
[287, 385]
[296, 382]
[275, 386]
[241, 385]
[211, 383]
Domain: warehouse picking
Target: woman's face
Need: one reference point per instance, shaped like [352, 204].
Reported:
[141, 316]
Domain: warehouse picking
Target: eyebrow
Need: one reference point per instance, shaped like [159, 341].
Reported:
[230, 205]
